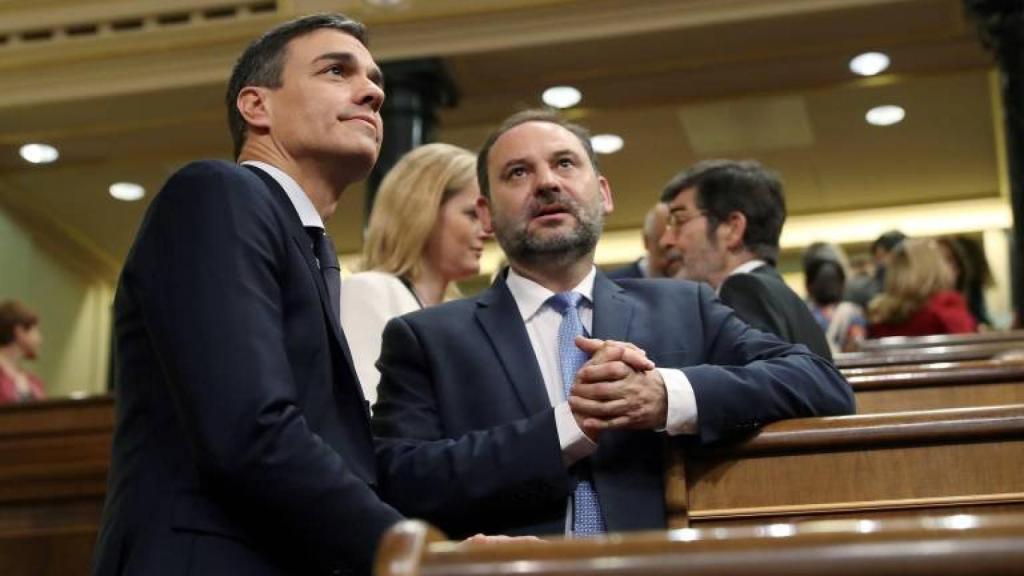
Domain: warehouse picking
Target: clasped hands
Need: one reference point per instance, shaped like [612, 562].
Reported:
[617, 388]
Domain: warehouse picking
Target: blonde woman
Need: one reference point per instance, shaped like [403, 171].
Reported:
[424, 234]
[919, 298]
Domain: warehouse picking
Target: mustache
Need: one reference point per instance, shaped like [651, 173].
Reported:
[552, 201]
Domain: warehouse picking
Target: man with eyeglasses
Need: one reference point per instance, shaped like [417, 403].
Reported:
[725, 218]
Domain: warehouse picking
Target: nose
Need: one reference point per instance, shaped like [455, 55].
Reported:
[668, 240]
[546, 180]
[371, 95]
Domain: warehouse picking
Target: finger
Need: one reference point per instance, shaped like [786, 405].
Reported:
[616, 423]
[589, 345]
[601, 391]
[604, 372]
[597, 409]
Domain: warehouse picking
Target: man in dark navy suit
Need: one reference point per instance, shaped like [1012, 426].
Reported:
[492, 423]
[243, 444]
[725, 219]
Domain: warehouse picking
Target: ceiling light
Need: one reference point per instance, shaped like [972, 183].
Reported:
[127, 191]
[606, 143]
[885, 115]
[869, 63]
[384, 3]
[561, 96]
[39, 153]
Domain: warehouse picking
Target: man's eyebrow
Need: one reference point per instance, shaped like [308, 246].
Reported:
[511, 162]
[349, 59]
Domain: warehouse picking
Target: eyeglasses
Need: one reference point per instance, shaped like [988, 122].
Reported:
[677, 219]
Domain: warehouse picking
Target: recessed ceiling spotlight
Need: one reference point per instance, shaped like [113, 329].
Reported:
[127, 191]
[869, 63]
[384, 3]
[885, 115]
[39, 153]
[606, 143]
[561, 96]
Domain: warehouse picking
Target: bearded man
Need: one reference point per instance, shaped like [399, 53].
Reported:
[542, 405]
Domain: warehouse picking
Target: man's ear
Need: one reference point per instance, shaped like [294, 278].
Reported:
[254, 106]
[606, 194]
[483, 210]
[735, 228]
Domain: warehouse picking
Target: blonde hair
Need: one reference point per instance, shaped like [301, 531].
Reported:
[915, 271]
[407, 206]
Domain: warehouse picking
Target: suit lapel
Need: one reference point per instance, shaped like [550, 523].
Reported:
[612, 311]
[299, 235]
[499, 316]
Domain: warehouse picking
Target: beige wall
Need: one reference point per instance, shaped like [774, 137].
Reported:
[75, 311]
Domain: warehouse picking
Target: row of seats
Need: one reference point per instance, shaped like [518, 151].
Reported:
[933, 461]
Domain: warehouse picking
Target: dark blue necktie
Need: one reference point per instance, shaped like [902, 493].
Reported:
[327, 258]
[587, 518]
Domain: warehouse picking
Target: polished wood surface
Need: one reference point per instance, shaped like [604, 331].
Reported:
[948, 546]
[937, 385]
[903, 342]
[861, 466]
[54, 457]
[950, 353]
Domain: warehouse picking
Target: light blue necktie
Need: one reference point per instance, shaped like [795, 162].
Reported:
[587, 518]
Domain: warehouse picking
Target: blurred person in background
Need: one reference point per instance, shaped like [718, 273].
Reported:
[20, 339]
[919, 297]
[424, 235]
[658, 261]
[824, 278]
[971, 272]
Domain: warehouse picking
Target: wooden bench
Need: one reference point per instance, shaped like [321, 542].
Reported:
[937, 385]
[864, 466]
[904, 342]
[54, 457]
[943, 546]
[925, 355]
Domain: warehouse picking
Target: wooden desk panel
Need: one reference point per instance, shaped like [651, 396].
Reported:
[856, 465]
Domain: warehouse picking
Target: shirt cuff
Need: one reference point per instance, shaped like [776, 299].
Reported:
[575, 444]
[682, 405]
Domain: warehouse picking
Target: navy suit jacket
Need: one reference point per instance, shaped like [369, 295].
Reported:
[631, 270]
[242, 443]
[472, 440]
[764, 300]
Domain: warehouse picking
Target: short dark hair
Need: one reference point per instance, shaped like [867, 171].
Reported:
[262, 62]
[727, 186]
[825, 280]
[888, 241]
[12, 315]
[531, 115]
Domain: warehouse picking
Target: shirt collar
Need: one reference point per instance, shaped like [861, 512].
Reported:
[530, 296]
[748, 266]
[308, 215]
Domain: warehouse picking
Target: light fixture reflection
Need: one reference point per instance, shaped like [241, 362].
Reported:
[885, 115]
[127, 191]
[869, 63]
[606, 143]
[561, 96]
[38, 153]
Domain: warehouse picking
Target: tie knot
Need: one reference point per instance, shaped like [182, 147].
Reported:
[564, 301]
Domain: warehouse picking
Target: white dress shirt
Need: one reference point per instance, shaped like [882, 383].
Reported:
[308, 215]
[542, 322]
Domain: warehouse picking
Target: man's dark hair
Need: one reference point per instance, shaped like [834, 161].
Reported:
[727, 186]
[888, 241]
[262, 62]
[532, 115]
[13, 314]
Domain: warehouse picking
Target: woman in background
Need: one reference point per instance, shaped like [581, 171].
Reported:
[20, 339]
[825, 278]
[424, 234]
[918, 299]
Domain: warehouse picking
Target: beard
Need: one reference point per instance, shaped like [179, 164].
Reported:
[556, 249]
